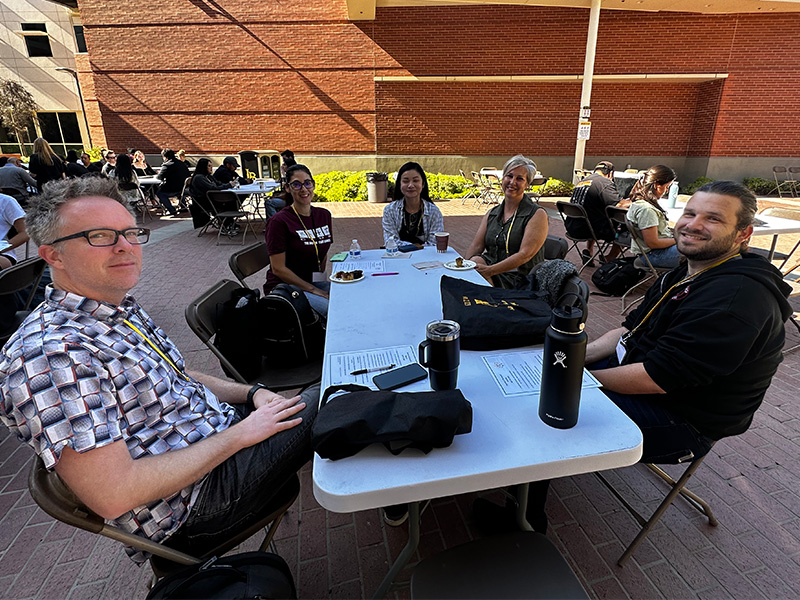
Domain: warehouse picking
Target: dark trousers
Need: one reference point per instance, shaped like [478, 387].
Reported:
[234, 493]
[164, 198]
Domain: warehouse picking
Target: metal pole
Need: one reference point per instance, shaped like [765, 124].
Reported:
[80, 97]
[588, 73]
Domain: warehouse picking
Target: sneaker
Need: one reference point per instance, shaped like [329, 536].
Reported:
[396, 515]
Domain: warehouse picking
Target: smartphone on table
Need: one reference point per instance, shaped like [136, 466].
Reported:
[399, 377]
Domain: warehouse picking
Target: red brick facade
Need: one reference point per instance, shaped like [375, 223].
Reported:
[215, 77]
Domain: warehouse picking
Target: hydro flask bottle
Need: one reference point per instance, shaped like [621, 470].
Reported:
[562, 365]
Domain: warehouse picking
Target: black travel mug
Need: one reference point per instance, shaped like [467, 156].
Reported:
[562, 366]
[440, 352]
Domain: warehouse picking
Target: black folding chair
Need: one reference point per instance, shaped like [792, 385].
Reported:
[227, 218]
[202, 315]
[579, 221]
[16, 278]
[249, 261]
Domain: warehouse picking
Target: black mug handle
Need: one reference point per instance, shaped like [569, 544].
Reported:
[422, 346]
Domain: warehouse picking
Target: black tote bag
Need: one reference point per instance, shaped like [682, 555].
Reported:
[494, 318]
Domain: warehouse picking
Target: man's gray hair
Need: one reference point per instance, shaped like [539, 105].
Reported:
[521, 161]
[42, 218]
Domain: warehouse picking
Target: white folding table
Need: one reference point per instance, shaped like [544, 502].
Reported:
[508, 444]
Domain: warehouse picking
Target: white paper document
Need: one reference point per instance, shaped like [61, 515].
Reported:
[520, 373]
[342, 364]
[368, 266]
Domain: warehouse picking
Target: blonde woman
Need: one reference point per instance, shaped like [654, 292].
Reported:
[45, 165]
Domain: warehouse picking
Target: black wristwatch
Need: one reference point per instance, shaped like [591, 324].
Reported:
[250, 403]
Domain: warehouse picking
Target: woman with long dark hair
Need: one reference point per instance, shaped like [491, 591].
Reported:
[203, 182]
[45, 165]
[651, 220]
[411, 217]
[127, 181]
[298, 239]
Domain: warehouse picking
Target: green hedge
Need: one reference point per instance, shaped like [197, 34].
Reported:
[758, 185]
[351, 186]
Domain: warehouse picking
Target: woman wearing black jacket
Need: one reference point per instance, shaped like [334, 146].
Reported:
[202, 183]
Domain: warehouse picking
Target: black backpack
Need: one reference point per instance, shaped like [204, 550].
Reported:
[617, 276]
[293, 332]
[247, 575]
[240, 313]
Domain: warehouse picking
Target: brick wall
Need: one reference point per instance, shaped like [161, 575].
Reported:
[224, 76]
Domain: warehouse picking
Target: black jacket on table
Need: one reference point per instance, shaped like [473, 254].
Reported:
[594, 193]
[714, 344]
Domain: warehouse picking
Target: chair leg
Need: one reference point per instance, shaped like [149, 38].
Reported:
[793, 320]
[676, 489]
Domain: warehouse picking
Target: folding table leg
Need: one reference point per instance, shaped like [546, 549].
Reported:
[408, 551]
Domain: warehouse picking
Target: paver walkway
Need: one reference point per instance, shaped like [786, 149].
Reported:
[752, 481]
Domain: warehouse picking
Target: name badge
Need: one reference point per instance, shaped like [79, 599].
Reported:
[317, 276]
[621, 349]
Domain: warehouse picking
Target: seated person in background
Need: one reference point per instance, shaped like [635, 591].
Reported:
[74, 167]
[111, 162]
[692, 363]
[411, 217]
[45, 165]
[226, 172]
[86, 160]
[298, 240]
[140, 164]
[97, 166]
[651, 219]
[162, 452]
[14, 180]
[510, 238]
[173, 176]
[11, 215]
[126, 178]
[288, 161]
[202, 182]
[594, 193]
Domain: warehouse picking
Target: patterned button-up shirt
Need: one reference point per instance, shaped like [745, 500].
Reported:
[75, 374]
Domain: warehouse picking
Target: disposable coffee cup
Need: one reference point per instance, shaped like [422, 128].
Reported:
[442, 239]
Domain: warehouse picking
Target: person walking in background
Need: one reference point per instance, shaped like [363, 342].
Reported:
[45, 165]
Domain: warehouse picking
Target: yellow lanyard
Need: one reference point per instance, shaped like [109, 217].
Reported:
[510, 227]
[156, 348]
[313, 241]
[669, 291]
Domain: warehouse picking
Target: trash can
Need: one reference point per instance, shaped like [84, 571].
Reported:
[377, 187]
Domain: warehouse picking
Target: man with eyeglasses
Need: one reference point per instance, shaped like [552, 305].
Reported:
[102, 394]
[110, 164]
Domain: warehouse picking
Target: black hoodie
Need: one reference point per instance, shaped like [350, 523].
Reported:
[715, 343]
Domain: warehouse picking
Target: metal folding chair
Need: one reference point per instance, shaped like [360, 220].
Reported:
[577, 213]
[783, 183]
[57, 500]
[226, 217]
[677, 488]
[642, 263]
[202, 315]
[16, 278]
[523, 564]
[472, 189]
[249, 261]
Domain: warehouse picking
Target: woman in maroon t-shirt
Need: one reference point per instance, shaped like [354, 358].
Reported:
[298, 239]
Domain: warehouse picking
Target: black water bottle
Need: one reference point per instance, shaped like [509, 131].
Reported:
[562, 365]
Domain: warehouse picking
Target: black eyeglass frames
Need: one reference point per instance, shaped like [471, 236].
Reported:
[109, 237]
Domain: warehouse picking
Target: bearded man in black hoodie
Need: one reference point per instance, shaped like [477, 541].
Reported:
[692, 364]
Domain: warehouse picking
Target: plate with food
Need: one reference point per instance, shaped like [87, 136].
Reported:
[459, 264]
[347, 276]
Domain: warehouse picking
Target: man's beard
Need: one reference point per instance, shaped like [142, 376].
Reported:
[712, 248]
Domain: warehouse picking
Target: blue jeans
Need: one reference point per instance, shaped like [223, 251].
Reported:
[667, 437]
[318, 303]
[234, 493]
[164, 198]
[272, 206]
[665, 258]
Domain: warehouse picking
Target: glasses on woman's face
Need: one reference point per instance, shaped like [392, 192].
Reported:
[299, 185]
